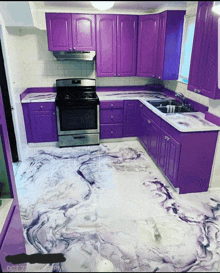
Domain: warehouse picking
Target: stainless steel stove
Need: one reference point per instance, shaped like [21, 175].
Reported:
[77, 107]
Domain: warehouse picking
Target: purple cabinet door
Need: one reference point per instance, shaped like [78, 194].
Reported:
[59, 31]
[172, 159]
[83, 32]
[153, 140]
[209, 70]
[13, 244]
[106, 45]
[147, 45]
[162, 148]
[126, 45]
[130, 118]
[197, 57]
[161, 44]
[43, 126]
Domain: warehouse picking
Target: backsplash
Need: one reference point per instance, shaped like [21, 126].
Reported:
[35, 66]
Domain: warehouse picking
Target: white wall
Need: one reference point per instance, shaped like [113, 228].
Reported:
[214, 108]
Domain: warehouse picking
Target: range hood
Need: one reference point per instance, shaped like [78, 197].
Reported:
[74, 55]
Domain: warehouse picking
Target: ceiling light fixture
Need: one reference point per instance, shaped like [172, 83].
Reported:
[102, 5]
[216, 7]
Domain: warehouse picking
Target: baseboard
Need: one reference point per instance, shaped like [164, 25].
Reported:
[118, 139]
[43, 144]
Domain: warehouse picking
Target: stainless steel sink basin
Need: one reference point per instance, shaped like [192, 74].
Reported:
[163, 106]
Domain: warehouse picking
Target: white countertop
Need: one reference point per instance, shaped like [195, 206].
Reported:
[4, 209]
[183, 122]
[39, 97]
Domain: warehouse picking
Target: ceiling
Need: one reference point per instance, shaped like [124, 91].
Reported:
[119, 6]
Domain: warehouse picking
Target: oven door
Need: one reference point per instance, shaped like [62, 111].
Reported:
[78, 120]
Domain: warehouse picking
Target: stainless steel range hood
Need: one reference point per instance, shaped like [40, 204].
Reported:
[74, 55]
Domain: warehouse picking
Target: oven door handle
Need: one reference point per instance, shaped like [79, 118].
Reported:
[76, 137]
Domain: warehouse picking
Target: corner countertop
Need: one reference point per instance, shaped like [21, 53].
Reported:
[183, 122]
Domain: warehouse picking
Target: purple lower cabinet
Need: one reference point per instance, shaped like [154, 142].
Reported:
[13, 243]
[40, 122]
[195, 159]
[130, 118]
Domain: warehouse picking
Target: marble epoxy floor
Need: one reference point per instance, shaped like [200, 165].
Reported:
[109, 208]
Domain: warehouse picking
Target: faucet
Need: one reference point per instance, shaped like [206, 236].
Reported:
[181, 96]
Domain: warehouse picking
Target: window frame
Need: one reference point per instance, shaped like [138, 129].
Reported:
[187, 19]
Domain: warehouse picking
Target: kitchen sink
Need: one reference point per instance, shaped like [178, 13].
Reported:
[171, 106]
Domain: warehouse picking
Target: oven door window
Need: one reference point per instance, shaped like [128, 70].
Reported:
[78, 118]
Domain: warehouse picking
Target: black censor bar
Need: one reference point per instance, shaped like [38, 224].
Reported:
[36, 258]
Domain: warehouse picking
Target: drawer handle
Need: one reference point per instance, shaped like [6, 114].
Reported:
[112, 132]
[111, 116]
[41, 106]
[149, 121]
[141, 105]
[112, 104]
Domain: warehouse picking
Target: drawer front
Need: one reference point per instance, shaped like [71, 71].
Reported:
[111, 131]
[111, 104]
[151, 115]
[38, 106]
[111, 116]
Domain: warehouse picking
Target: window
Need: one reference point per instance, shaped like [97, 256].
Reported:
[186, 50]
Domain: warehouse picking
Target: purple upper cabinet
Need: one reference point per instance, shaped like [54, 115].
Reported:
[83, 32]
[147, 45]
[209, 69]
[59, 31]
[202, 21]
[106, 45]
[161, 44]
[169, 44]
[126, 45]
[203, 76]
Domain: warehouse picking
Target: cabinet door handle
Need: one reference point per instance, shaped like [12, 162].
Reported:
[111, 104]
[168, 138]
[41, 106]
[53, 113]
[111, 116]
[141, 105]
[159, 77]
[149, 121]
[165, 137]
[114, 74]
[70, 49]
[112, 132]
[199, 91]
[195, 90]
[74, 48]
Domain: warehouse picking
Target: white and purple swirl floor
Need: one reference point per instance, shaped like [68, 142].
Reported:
[109, 208]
